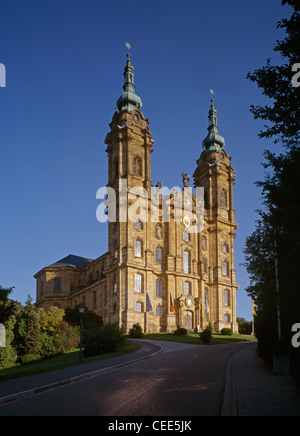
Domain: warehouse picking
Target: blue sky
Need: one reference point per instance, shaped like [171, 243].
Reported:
[64, 63]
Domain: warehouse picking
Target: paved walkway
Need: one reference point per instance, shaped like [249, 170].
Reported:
[25, 386]
[250, 387]
[253, 390]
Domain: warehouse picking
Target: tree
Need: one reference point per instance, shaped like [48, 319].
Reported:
[245, 327]
[56, 336]
[90, 318]
[276, 240]
[27, 329]
[276, 83]
[7, 309]
[7, 306]
[49, 319]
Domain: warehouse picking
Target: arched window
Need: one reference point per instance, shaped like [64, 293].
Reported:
[205, 266]
[138, 283]
[159, 311]
[57, 285]
[187, 288]
[225, 268]
[159, 288]
[225, 248]
[115, 284]
[226, 318]
[226, 298]
[158, 255]
[186, 262]
[138, 248]
[138, 225]
[186, 236]
[137, 166]
[223, 197]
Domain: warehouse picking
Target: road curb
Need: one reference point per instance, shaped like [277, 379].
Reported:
[229, 403]
[72, 380]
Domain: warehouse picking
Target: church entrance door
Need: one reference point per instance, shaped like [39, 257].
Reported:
[188, 320]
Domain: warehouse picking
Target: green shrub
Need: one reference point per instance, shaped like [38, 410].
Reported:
[67, 338]
[8, 355]
[206, 335]
[226, 332]
[136, 333]
[180, 331]
[102, 340]
[28, 358]
[46, 345]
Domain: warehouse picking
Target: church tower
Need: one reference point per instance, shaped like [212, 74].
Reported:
[216, 174]
[156, 272]
[129, 148]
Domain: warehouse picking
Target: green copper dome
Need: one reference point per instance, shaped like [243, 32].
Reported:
[213, 141]
[129, 100]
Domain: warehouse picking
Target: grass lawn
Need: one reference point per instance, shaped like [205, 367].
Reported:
[192, 338]
[59, 362]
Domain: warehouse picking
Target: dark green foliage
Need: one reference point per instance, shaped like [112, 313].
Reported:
[32, 335]
[206, 335]
[245, 327]
[63, 339]
[276, 239]
[180, 331]
[276, 83]
[90, 319]
[7, 306]
[29, 358]
[102, 340]
[226, 332]
[27, 330]
[8, 355]
[137, 332]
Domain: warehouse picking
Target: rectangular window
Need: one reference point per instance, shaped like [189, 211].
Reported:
[138, 248]
[187, 288]
[226, 298]
[186, 262]
[186, 236]
[158, 255]
[223, 198]
[225, 268]
[115, 284]
[159, 311]
[137, 166]
[57, 285]
[138, 283]
[159, 288]
[138, 307]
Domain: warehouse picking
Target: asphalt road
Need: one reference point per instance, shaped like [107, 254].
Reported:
[182, 381]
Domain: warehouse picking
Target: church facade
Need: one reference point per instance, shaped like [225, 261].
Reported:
[156, 272]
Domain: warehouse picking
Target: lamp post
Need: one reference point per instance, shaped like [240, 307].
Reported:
[81, 311]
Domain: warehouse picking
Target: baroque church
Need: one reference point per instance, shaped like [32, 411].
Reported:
[156, 272]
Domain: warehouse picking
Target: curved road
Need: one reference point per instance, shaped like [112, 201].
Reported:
[184, 380]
